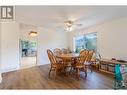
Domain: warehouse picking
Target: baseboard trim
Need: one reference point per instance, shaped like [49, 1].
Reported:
[0, 78]
[5, 70]
[42, 64]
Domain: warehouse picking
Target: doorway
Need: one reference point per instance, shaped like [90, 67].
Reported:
[28, 53]
[28, 45]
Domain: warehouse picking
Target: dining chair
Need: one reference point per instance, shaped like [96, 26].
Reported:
[57, 51]
[79, 65]
[88, 62]
[67, 62]
[82, 50]
[64, 51]
[85, 52]
[55, 65]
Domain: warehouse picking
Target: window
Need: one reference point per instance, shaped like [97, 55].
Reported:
[87, 41]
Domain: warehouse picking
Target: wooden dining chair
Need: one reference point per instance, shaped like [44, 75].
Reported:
[64, 51]
[55, 65]
[88, 62]
[67, 62]
[79, 65]
[84, 52]
[57, 51]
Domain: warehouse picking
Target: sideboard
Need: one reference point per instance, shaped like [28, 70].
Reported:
[108, 65]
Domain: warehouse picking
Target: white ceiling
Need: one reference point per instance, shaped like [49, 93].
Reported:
[54, 16]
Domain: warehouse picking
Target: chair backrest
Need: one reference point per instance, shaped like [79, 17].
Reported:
[82, 50]
[90, 55]
[57, 51]
[51, 57]
[64, 51]
[85, 52]
[83, 55]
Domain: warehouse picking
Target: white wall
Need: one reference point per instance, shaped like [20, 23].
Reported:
[9, 46]
[111, 38]
[0, 55]
[0, 46]
[25, 30]
[49, 39]
[10, 33]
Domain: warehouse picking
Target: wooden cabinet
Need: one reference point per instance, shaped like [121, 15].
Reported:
[107, 66]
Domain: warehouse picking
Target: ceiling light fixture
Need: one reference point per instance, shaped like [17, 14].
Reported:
[68, 29]
[68, 25]
[33, 34]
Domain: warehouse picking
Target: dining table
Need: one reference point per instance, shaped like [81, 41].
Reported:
[68, 56]
[69, 59]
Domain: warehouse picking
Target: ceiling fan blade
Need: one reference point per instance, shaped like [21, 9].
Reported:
[79, 24]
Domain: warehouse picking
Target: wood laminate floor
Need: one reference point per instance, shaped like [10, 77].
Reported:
[37, 78]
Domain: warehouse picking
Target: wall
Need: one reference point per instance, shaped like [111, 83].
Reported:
[49, 39]
[9, 46]
[25, 30]
[10, 33]
[0, 46]
[111, 38]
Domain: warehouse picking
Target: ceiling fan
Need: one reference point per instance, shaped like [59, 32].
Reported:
[69, 24]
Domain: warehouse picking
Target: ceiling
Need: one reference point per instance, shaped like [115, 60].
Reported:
[54, 16]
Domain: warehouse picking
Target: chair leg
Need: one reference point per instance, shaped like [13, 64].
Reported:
[55, 72]
[78, 73]
[90, 66]
[50, 71]
[70, 70]
[85, 72]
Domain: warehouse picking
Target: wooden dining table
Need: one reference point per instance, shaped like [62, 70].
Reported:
[69, 56]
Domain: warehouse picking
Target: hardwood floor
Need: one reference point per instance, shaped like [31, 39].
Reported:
[37, 78]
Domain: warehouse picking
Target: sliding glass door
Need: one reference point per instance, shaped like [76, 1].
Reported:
[87, 41]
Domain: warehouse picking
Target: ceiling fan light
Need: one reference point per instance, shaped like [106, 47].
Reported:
[69, 29]
[68, 23]
[33, 34]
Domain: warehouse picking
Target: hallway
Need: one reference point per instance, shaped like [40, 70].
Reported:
[27, 62]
